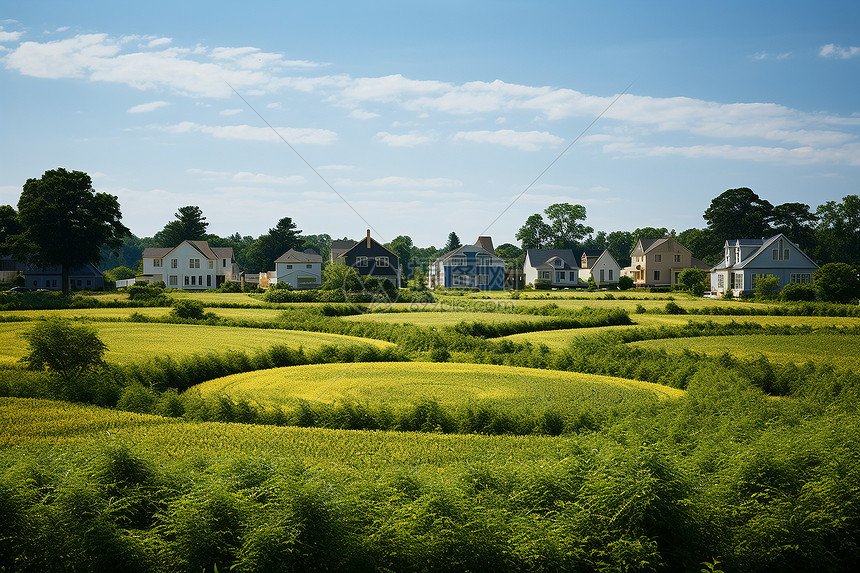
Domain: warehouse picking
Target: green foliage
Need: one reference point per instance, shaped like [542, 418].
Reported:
[119, 273]
[542, 284]
[837, 282]
[190, 309]
[767, 287]
[797, 292]
[625, 282]
[189, 225]
[61, 347]
[691, 278]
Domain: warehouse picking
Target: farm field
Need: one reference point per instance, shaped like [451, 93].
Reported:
[444, 318]
[400, 384]
[131, 342]
[836, 349]
[557, 339]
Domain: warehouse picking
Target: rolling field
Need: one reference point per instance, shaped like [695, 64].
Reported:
[133, 342]
[558, 339]
[840, 350]
[444, 318]
[400, 384]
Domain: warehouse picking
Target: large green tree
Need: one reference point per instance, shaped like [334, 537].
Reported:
[535, 233]
[64, 222]
[797, 222]
[567, 231]
[838, 231]
[403, 247]
[189, 225]
[453, 242]
[280, 239]
[739, 214]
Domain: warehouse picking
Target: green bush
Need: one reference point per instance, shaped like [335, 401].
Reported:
[837, 282]
[797, 292]
[61, 347]
[625, 282]
[190, 309]
[766, 287]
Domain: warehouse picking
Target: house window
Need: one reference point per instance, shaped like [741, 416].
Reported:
[173, 280]
[677, 258]
[89, 282]
[187, 280]
[174, 263]
[458, 261]
[211, 264]
[381, 261]
[200, 280]
[193, 280]
[785, 254]
[483, 260]
[658, 258]
[558, 262]
[483, 280]
[559, 277]
[775, 254]
[657, 275]
[309, 266]
[223, 263]
[193, 263]
[803, 278]
[462, 280]
[156, 262]
[721, 281]
[361, 261]
[544, 275]
[209, 278]
[739, 281]
[610, 275]
[602, 278]
[677, 274]
[289, 266]
[573, 277]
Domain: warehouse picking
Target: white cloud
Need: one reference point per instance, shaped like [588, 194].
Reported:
[762, 56]
[230, 111]
[840, 52]
[394, 181]
[10, 36]
[362, 114]
[403, 140]
[147, 107]
[294, 135]
[522, 140]
[246, 177]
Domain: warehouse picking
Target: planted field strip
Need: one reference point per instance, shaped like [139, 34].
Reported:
[451, 385]
[839, 350]
[26, 420]
[133, 342]
[558, 339]
[259, 314]
[445, 318]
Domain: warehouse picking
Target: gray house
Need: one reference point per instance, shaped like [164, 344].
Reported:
[747, 260]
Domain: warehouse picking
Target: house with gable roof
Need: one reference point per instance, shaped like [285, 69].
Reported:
[370, 258]
[300, 270]
[191, 265]
[747, 260]
[469, 266]
[558, 266]
[659, 262]
[603, 268]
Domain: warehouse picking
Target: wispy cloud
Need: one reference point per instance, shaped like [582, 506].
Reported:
[839, 52]
[147, 107]
[9, 36]
[762, 56]
[294, 135]
[403, 140]
[233, 111]
[522, 140]
[362, 114]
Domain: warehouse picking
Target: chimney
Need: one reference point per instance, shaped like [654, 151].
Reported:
[368, 238]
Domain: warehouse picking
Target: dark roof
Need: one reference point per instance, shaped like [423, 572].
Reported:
[295, 256]
[538, 257]
[486, 243]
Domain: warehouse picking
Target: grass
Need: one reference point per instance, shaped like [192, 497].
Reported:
[836, 349]
[445, 318]
[559, 339]
[135, 342]
[401, 384]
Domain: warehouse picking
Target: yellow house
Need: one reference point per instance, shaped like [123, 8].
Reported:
[659, 262]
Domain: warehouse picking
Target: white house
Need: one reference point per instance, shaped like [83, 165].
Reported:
[192, 265]
[603, 268]
[747, 260]
[299, 270]
[558, 266]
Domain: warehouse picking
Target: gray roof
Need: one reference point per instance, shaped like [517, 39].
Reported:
[537, 257]
[293, 256]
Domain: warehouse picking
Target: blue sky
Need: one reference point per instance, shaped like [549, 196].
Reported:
[422, 118]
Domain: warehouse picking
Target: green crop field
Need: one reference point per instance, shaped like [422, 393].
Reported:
[445, 318]
[840, 350]
[398, 384]
[133, 342]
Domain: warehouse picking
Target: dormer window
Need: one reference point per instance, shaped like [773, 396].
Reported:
[558, 262]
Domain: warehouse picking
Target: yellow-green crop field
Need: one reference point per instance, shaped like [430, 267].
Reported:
[398, 384]
[837, 349]
[444, 318]
[129, 342]
[42, 423]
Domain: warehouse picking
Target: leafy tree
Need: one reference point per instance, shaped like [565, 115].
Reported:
[567, 231]
[535, 233]
[508, 251]
[739, 214]
[189, 225]
[838, 231]
[767, 287]
[837, 282]
[9, 226]
[402, 247]
[703, 244]
[338, 276]
[648, 233]
[119, 273]
[64, 222]
[793, 292]
[795, 221]
[283, 237]
[620, 244]
[598, 242]
[320, 243]
[690, 279]
[64, 348]
[453, 242]
[625, 282]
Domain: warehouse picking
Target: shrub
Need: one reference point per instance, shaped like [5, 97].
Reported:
[689, 278]
[64, 348]
[625, 282]
[542, 284]
[837, 282]
[673, 308]
[767, 287]
[188, 309]
[797, 292]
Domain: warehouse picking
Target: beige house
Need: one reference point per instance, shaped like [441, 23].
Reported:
[658, 262]
[603, 268]
[192, 265]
